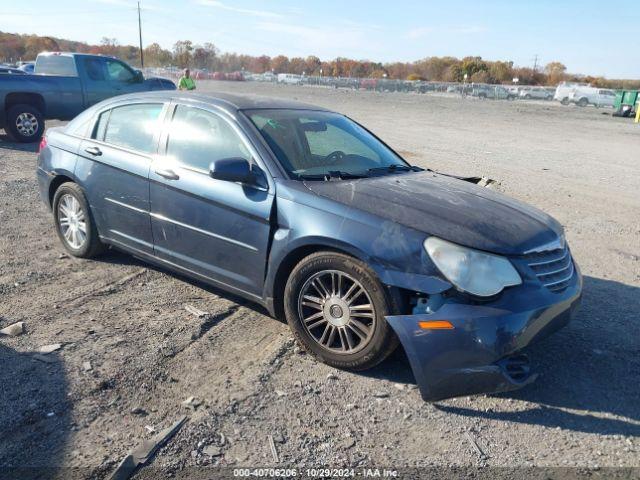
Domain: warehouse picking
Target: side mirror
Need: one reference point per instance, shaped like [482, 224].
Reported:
[139, 78]
[237, 169]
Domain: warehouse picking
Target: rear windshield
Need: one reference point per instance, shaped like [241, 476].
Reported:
[61, 65]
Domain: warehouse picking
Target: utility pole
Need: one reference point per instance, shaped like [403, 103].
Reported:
[535, 63]
[140, 34]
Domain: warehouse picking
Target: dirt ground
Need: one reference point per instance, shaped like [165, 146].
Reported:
[146, 354]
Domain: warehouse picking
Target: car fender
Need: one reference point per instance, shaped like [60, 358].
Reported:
[394, 252]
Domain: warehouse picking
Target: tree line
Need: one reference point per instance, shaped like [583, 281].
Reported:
[207, 56]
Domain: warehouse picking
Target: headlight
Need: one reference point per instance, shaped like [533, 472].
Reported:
[472, 271]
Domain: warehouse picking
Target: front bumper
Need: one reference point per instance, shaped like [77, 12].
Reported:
[482, 353]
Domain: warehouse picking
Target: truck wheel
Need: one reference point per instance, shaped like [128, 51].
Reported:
[25, 123]
[583, 102]
[335, 307]
[565, 101]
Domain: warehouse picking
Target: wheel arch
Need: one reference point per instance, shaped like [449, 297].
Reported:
[55, 183]
[277, 277]
[17, 98]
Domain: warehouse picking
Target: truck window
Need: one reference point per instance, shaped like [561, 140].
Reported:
[94, 68]
[132, 126]
[119, 72]
[60, 65]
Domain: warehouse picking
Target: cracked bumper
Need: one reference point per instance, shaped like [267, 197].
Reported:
[482, 353]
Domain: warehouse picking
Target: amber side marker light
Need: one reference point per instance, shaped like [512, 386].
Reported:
[436, 325]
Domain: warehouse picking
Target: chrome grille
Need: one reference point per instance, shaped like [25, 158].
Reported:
[554, 268]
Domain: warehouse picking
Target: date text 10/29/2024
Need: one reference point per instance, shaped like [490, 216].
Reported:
[315, 472]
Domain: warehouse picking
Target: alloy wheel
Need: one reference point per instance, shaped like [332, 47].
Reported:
[27, 124]
[72, 221]
[337, 312]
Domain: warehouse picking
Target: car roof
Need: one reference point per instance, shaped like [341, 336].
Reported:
[226, 101]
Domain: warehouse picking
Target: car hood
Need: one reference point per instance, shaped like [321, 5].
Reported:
[449, 208]
[159, 81]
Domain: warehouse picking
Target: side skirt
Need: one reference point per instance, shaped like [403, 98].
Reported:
[184, 271]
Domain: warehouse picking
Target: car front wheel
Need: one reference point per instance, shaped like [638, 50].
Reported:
[74, 223]
[335, 307]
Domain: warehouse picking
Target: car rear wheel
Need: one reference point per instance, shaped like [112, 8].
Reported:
[583, 102]
[335, 307]
[74, 223]
[25, 123]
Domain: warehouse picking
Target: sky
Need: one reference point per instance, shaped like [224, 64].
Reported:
[589, 37]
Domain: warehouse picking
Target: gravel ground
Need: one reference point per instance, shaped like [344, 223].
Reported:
[131, 354]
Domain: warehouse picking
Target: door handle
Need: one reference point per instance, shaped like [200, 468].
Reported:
[95, 151]
[168, 174]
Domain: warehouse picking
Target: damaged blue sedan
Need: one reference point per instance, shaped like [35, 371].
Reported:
[308, 213]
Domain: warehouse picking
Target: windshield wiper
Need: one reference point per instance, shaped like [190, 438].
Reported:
[333, 175]
[395, 168]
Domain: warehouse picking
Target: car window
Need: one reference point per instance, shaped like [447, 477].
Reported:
[81, 125]
[119, 72]
[94, 68]
[131, 126]
[62, 65]
[325, 142]
[308, 142]
[101, 126]
[198, 137]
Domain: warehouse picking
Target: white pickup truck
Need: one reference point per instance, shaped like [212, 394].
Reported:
[599, 97]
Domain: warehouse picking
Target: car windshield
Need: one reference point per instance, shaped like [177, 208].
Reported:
[312, 144]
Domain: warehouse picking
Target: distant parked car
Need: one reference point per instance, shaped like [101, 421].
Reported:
[599, 97]
[27, 67]
[290, 78]
[11, 70]
[514, 92]
[530, 93]
[495, 92]
[64, 84]
[564, 89]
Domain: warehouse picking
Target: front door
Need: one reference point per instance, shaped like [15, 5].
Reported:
[97, 86]
[215, 228]
[114, 166]
[122, 77]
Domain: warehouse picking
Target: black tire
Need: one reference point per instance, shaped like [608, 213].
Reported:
[527, 96]
[92, 246]
[565, 101]
[20, 123]
[583, 102]
[381, 342]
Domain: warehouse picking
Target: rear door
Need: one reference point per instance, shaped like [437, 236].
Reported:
[114, 165]
[214, 228]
